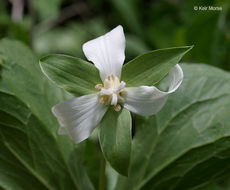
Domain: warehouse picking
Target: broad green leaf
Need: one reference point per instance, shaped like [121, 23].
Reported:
[10, 167]
[219, 184]
[187, 144]
[115, 139]
[32, 156]
[72, 74]
[92, 160]
[151, 67]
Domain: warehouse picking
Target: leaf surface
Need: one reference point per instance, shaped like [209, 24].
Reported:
[149, 68]
[115, 139]
[70, 73]
[187, 144]
[32, 156]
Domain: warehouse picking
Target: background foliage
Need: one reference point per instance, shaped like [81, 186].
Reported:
[185, 146]
[62, 26]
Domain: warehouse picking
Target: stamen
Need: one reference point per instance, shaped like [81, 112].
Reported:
[122, 93]
[111, 93]
[121, 86]
[102, 100]
[106, 91]
[98, 86]
[111, 77]
[114, 99]
[117, 107]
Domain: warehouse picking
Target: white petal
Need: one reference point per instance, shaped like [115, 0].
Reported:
[79, 116]
[107, 52]
[148, 100]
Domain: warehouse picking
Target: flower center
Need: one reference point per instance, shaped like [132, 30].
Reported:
[112, 92]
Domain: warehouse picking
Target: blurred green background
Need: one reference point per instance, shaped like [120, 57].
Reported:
[62, 26]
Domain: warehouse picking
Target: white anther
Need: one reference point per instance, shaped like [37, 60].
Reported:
[111, 92]
[121, 86]
[98, 86]
[114, 99]
[106, 91]
[117, 107]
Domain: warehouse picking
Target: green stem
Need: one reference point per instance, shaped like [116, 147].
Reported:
[101, 185]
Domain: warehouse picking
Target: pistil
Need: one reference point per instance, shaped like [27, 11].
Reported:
[112, 92]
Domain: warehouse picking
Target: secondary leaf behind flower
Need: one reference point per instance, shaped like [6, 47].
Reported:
[70, 73]
[149, 68]
[188, 139]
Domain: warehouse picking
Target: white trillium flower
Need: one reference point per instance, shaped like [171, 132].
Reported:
[79, 116]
